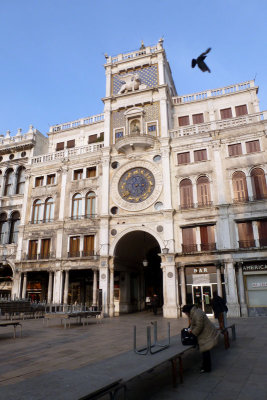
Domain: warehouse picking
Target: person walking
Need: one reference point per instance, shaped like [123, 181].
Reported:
[155, 303]
[220, 309]
[205, 331]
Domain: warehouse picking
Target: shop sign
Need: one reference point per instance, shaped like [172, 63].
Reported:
[200, 270]
[258, 267]
[259, 284]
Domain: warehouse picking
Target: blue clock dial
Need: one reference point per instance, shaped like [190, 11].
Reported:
[136, 185]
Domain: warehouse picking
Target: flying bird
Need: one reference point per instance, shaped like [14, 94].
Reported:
[200, 61]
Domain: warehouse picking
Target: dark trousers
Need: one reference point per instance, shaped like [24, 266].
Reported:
[206, 361]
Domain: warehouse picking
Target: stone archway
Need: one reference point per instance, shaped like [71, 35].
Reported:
[6, 280]
[137, 271]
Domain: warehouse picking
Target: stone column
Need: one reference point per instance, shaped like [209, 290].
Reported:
[66, 287]
[104, 283]
[111, 287]
[57, 293]
[24, 287]
[231, 290]
[183, 285]
[249, 186]
[198, 238]
[25, 204]
[219, 280]
[241, 289]
[16, 287]
[218, 180]
[50, 287]
[95, 289]
[256, 233]
[170, 284]
[165, 152]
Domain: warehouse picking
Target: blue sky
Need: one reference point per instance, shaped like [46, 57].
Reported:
[52, 51]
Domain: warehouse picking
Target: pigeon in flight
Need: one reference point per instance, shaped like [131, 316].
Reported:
[200, 61]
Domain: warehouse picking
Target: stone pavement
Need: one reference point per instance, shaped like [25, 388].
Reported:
[238, 373]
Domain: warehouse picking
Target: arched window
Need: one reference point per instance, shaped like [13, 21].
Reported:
[3, 228]
[203, 191]
[20, 181]
[10, 176]
[36, 212]
[240, 186]
[90, 204]
[14, 227]
[76, 206]
[186, 194]
[258, 184]
[49, 210]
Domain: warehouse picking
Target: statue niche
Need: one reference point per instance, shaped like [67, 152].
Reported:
[130, 82]
[135, 127]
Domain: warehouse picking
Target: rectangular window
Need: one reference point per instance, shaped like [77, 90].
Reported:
[51, 179]
[183, 158]
[60, 146]
[234, 149]
[78, 174]
[33, 245]
[152, 128]
[253, 146]
[88, 246]
[70, 143]
[226, 113]
[207, 238]
[101, 137]
[183, 121]
[241, 110]
[90, 172]
[189, 240]
[74, 246]
[262, 228]
[92, 139]
[200, 155]
[198, 118]
[118, 134]
[39, 181]
[45, 248]
[245, 233]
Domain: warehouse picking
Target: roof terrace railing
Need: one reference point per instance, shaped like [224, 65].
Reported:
[188, 98]
[75, 124]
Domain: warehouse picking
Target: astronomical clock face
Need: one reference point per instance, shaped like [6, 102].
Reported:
[136, 185]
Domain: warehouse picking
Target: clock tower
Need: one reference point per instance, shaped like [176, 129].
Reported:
[136, 153]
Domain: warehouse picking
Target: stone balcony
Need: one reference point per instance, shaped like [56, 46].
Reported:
[135, 142]
[77, 123]
[218, 125]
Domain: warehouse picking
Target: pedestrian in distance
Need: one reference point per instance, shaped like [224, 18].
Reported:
[155, 304]
[220, 309]
[205, 331]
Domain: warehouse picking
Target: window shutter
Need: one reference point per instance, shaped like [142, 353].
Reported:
[226, 113]
[92, 139]
[188, 236]
[70, 143]
[200, 155]
[184, 158]
[234, 149]
[183, 121]
[60, 146]
[253, 146]
[198, 118]
[241, 110]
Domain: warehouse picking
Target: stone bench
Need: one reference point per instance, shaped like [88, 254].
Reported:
[14, 324]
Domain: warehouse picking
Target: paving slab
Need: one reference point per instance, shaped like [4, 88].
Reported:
[46, 355]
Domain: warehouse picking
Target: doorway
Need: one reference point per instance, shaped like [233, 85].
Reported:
[137, 272]
[202, 295]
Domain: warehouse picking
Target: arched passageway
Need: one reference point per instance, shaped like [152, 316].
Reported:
[137, 272]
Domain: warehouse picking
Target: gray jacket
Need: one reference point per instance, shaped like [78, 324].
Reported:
[204, 329]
